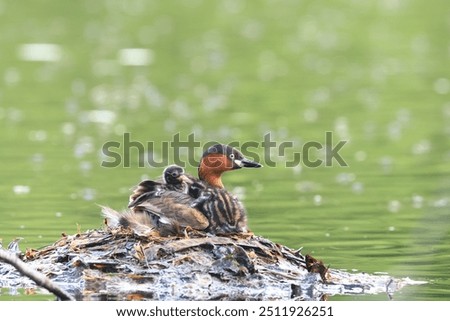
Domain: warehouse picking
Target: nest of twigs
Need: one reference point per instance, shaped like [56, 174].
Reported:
[115, 264]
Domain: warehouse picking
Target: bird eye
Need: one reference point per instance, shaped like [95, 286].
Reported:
[174, 174]
[231, 156]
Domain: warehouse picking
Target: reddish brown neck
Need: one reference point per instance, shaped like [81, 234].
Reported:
[213, 178]
[211, 168]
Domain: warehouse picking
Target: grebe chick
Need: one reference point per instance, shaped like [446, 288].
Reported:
[173, 179]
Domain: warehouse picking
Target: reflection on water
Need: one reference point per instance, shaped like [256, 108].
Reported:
[43, 52]
[76, 77]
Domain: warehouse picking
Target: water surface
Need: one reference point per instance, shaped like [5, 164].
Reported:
[76, 75]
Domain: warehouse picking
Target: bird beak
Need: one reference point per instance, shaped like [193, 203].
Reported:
[247, 163]
[186, 179]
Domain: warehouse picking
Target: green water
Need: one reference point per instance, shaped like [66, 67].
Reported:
[373, 73]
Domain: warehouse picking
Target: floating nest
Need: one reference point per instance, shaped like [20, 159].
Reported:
[115, 264]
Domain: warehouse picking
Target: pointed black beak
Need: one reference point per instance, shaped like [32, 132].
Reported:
[244, 162]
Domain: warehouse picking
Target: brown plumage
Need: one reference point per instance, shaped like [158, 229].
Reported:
[140, 223]
[224, 211]
[171, 208]
[167, 213]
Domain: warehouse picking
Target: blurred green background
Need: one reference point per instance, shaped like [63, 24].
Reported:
[77, 74]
